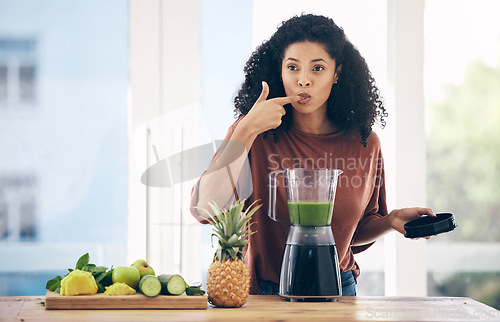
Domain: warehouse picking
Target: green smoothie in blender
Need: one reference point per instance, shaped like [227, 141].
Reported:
[310, 213]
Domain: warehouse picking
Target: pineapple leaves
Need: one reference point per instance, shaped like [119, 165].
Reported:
[231, 227]
[232, 252]
[233, 239]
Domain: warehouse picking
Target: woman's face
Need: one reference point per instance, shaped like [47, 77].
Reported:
[309, 71]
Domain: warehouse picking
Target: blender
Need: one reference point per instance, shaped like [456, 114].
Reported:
[310, 266]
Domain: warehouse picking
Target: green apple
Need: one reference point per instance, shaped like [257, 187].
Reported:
[143, 267]
[126, 274]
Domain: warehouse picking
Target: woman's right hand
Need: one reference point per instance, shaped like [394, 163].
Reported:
[266, 114]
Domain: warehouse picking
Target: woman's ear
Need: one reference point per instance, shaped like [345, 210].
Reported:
[338, 71]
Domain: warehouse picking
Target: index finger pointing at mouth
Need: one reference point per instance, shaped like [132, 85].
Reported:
[287, 99]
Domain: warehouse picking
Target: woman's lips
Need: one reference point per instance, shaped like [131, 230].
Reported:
[305, 98]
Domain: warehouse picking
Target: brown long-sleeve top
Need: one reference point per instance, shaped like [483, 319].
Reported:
[360, 193]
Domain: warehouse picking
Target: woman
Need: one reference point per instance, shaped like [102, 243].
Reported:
[308, 100]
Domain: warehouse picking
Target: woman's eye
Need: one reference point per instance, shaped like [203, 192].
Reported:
[318, 68]
[291, 67]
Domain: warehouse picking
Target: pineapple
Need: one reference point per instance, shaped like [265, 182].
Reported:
[78, 283]
[228, 280]
[119, 288]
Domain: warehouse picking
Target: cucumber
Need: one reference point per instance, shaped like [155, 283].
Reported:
[172, 284]
[150, 285]
[194, 291]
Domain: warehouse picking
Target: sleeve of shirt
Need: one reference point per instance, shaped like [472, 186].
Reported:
[377, 206]
[198, 214]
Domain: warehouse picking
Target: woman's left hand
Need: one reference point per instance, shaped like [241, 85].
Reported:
[399, 217]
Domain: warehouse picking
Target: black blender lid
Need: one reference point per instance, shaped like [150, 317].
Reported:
[429, 226]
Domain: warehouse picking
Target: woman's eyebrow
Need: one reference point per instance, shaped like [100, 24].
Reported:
[312, 61]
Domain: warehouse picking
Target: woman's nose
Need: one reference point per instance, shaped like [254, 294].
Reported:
[304, 80]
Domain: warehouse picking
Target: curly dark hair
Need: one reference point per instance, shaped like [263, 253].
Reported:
[354, 104]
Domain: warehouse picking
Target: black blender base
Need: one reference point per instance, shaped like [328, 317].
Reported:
[295, 298]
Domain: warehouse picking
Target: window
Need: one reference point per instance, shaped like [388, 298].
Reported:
[3, 83]
[27, 83]
[462, 75]
[17, 71]
[18, 208]
[63, 139]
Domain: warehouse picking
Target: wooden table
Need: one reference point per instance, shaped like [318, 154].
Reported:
[271, 308]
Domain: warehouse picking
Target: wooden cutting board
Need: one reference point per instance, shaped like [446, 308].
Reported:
[55, 301]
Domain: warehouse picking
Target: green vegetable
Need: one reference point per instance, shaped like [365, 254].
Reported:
[172, 284]
[194, 291]
[150, 285]
[196, 285]
[101, 275]
[54, 284]
[82, 261]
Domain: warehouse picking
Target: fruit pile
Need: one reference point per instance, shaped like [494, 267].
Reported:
[228, 279]
[123, 280]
